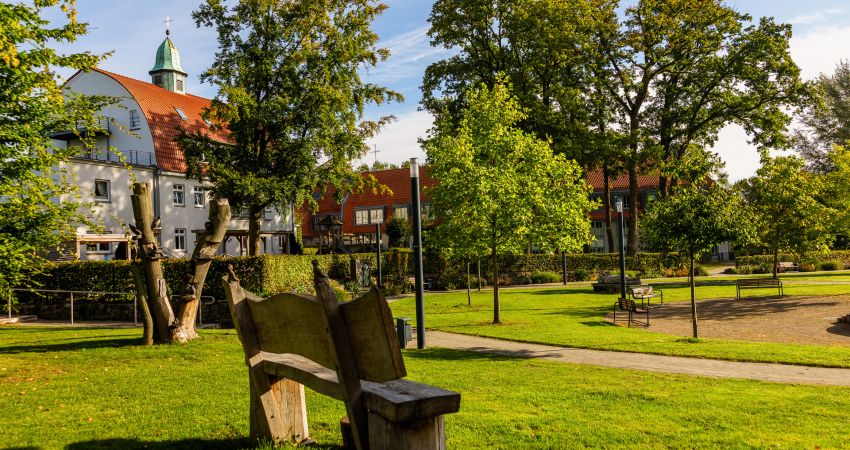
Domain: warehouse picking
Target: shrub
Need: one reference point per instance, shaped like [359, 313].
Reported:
[830, 265]
[699, 271]
[545, 277]
[807, 267]
[581, 275]
[398, 230]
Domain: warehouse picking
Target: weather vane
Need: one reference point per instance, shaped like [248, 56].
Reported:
[168, 25]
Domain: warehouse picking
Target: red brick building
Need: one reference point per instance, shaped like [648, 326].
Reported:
[360, 212]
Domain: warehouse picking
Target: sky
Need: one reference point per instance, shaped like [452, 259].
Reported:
[133, 29]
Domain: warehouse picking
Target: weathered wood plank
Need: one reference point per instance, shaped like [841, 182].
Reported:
[405, 400]
[423, 434]
[372, 334]
[304, 371]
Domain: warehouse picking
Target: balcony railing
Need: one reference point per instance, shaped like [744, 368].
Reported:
[82, 131]
[132, 157]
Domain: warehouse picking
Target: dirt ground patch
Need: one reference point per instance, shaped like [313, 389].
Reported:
[797, 319]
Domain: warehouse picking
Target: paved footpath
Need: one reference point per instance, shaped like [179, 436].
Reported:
[775, 373]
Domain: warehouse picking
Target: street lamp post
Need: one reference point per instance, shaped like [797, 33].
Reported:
[619, 206]
[417, 254]
[379, 238]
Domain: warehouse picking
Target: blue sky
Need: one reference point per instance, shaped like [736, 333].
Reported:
[133, 29]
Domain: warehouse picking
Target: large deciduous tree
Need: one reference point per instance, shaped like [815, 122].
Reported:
[826, 121]
[290, 100]
[32, 106]
[693, 221]
[788, 215]
[501, 187]
[681, 70]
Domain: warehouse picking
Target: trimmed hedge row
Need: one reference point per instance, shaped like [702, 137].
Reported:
[767, 260]
[268, 274]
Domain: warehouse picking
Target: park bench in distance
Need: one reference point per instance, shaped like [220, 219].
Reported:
[645, 293]
[758, 283]
[787, 266]
[347, 351]
[624, 304]
[611, 283]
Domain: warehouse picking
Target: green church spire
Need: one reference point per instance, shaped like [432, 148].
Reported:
[167, 71]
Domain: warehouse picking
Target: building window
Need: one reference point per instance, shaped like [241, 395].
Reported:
[157, 80]
[627, 201]
[181, 113]
[199, 195]
[180, 85]
[101, 190]
[99, 247]
[268, 213]
[180, 239]
[366, 216]
[178, 195]
[427, 211]
[400, 212]
[135, 120]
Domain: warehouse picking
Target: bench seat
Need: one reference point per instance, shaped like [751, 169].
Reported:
[397, 400]
[757, 283]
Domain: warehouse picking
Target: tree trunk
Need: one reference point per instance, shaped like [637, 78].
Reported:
[776, 263]
[255, 215]
[151, 270]
[693, 299]
[606, 204]
[205, 249]
[633, 196]
[479, 273]
[142, 302]
[468, 287]
[496, 318]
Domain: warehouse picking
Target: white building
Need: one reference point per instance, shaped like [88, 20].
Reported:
[141, 130]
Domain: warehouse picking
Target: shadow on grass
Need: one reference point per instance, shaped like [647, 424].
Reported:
[241, 443]
[474, 354]
[719, 309]
[77, 344]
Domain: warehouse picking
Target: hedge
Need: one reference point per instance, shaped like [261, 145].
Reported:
[268, 274]
[813, 259]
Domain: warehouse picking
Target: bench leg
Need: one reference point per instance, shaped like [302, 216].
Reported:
[423, 434]
[279, 414]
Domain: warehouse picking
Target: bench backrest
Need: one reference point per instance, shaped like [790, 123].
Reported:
[627, 305]
[321, 329]
[759, 282]
[643, 290]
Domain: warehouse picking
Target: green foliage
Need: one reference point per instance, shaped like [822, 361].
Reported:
[788, 217]
[581, 275]
[545, 277]
[836, 192]
[32, 106]
[290, 99]
[826, 120]
[831, 265]
[398, 230]
[397, 270]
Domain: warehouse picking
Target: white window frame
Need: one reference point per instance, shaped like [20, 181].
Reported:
[179, 85]
[196, 191]
[178, 195]
[180, 239]
[103, 199]
[371, 215]
[99, 247]
[361, 216]
[405, 215]
[181, 113]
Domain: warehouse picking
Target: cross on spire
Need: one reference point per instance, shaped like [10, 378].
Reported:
[375, 151]
[167, 22]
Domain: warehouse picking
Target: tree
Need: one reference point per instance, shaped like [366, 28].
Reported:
[836, 192]
[289, 101]
[788, 216]
[500, 186]
[826, 121]
[33, 105]
[693, 221]
[679, 71]
[398, 230]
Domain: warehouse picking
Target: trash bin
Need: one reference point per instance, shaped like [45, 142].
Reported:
[404, 331]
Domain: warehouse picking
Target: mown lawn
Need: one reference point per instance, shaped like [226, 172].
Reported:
[574, 316]
[94, 388]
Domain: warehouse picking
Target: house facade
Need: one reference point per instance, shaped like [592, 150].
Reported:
[359, 213]
[138, 144]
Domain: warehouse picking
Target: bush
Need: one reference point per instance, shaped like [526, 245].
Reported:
[830, 265]
[807, 267]
[699, 271]
[581, 275]
[545, 277]
[398, 230]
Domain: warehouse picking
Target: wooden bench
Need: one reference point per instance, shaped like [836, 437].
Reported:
[758, 283]
[645, 293]
[787, 266]
[624, 304]
[347, 351]
[611, 283]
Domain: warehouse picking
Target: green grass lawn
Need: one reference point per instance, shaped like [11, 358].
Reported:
[94, 388]
[574, 316]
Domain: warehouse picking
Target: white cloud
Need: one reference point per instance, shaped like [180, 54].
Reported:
[399, 141]
[410, 52]
[819, 50]
[817, 17]
[742, 158]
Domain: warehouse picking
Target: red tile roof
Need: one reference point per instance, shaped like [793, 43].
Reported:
[594, 178]
[165, 124]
